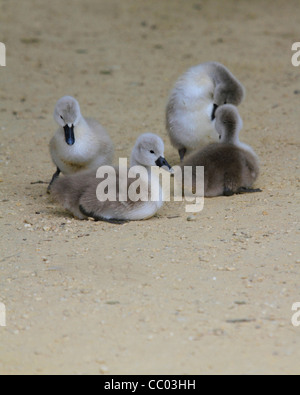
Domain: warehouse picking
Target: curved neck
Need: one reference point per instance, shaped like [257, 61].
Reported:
[82, 128]
[134, 163]
[232, 139]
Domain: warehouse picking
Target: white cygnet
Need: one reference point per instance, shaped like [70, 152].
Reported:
[80, 143]
[193, 102]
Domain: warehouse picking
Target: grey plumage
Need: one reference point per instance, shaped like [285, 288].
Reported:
[230, 167]
[78, 194]
[228, 89]
[68, 190]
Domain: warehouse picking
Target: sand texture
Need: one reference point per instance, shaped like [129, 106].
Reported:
[212, 294]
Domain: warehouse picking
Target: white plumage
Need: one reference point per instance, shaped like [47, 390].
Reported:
[80, 143]
[193, 102]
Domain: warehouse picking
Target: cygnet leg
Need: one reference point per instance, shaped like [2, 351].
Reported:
[228, 192]
[55, 176]
[182, 153]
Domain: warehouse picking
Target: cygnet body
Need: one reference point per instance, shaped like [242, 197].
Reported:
[80, 143]
[230, 167]
[79, 193]
[193, 102]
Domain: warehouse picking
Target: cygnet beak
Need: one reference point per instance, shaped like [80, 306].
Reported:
[213, 116]
[161, 162]
[69, 134]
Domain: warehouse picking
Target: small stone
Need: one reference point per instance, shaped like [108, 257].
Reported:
[218, 332]
[104, 369]
[260, 279]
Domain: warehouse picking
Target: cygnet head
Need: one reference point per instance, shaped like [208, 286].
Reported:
[226, 94]
[228, 124]
[149, 151]
[67, 114]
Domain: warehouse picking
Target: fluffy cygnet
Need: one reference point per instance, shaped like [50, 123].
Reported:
[193, 102]
[230, 167]
[78, 193]
[80, 143]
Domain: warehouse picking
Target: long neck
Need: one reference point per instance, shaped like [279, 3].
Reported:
[134, 162]
[233, 139]
[154, 181]
[231, 136]
[82, 128]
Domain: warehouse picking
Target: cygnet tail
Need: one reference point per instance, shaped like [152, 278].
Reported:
[244, 190]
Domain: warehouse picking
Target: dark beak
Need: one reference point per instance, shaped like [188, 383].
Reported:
[69, 135]
[213, 115]
[161, 162]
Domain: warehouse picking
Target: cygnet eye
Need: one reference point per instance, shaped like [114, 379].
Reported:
[62, 118]
[152, 152]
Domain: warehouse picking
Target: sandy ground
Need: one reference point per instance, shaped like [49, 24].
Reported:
[166, 295]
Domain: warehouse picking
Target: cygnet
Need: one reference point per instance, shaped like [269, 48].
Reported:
[80, 143]
[79, 193]
[193, 103]
[230, 167]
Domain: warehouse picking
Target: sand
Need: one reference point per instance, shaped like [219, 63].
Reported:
[168, 295]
